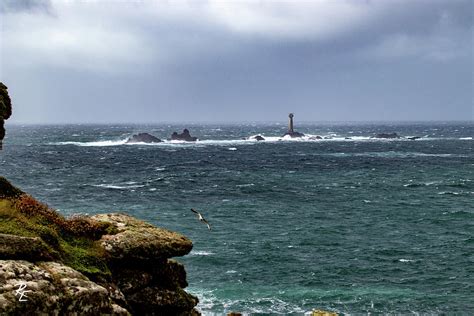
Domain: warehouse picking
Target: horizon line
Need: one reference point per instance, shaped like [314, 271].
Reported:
[241, 122]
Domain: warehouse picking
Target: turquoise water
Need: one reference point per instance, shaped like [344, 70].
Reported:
[352, 225]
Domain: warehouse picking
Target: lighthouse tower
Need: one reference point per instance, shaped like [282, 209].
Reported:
[290, 123]
[291, 132]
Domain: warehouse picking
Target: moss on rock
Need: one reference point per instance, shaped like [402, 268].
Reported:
[70, 241]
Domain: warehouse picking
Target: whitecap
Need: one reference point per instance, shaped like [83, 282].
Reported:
[406, 260]
[104, 143]
[448, 193]
[117, 187]
[245, 185]
[232, 148]
[201, 253]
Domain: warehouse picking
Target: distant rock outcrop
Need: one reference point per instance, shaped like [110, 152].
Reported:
[143, 138]
[258, 137]
[387, 135]
[293, 134]
[185, 136]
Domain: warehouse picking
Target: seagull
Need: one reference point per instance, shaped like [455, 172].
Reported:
[202, 219]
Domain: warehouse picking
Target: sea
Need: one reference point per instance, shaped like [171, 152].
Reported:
[347, 223]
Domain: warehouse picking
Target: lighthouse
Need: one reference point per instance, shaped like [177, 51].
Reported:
[291, 132]
[290, 123]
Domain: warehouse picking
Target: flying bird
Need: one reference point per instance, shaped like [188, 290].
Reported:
[202, 219]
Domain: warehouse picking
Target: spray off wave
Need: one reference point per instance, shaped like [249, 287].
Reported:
[242, 141]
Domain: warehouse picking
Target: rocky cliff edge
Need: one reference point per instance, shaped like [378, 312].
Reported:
[105, 264]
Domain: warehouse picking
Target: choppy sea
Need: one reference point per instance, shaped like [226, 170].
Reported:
[348, 223]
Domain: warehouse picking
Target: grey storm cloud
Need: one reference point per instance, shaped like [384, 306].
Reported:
[101, 61]
[25, 5]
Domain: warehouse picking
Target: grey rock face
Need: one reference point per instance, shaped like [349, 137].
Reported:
[137, 240]
[53, 289]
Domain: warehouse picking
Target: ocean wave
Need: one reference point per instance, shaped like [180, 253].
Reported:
[454, 193]
[211, 304]
[394, 154]
[331, 137]
[422, 184]
[201, 253]
[119, 187]
[245, 185]
[103, 143]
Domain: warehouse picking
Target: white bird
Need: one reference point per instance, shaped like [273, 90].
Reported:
[201, 218]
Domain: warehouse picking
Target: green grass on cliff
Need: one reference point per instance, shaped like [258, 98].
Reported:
[70, 241]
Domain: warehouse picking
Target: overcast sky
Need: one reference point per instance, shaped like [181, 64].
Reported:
[169, 61]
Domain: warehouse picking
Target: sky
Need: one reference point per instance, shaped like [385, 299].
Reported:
[237, 61]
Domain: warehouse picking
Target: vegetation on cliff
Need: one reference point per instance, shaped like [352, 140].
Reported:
[70, 241]
[104, 264]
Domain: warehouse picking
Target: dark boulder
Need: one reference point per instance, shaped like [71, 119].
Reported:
[143, 138]
[185, 135]
[387, 135]
[258, 138]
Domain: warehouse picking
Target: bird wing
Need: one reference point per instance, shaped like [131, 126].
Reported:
[192, 210]
[207, 223]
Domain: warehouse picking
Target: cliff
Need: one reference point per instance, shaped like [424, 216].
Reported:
[5, 110]
[104, 264]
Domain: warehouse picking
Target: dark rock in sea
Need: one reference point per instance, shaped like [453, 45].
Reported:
[387, 135]
[413, 137]
[185, 135]
[347, 138]
[258, 138]
[315, 137]
[143, 138]
[293, 134]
